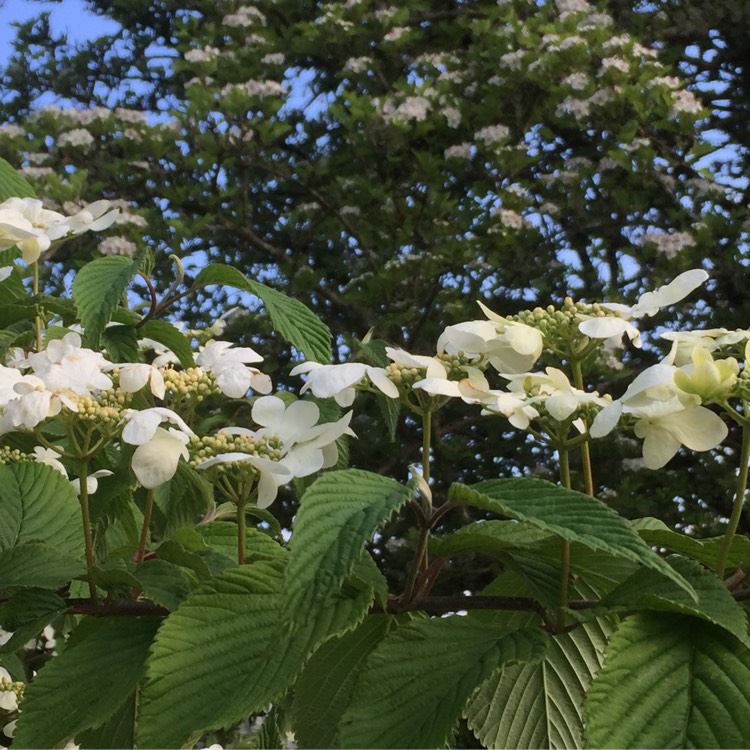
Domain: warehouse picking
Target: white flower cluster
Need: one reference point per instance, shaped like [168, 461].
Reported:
[669, 243]
[25, 223]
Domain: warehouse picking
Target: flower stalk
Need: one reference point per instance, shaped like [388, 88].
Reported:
[739, 499]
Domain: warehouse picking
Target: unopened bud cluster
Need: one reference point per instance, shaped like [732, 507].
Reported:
[208, 446]
[192, 385]
[11, 694]
[560, 326]
[105, 409]
[10, 455]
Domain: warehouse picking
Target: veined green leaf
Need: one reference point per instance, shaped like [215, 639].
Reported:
[646, 589]
[182, 501]
[117, 732]
[323, 690]
[290, 317]
[337, 515]
[36, 564]
[571, 515]
[670, 681]
[228, 637]
[540, 705]
[105, 663]
[37, 504]
[12, 185]
[163, 582]
[165, 333]
[97, 290]
[490, 538]
[26, 614]
[415, 683]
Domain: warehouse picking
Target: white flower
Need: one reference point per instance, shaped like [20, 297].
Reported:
[338, 381]
[666, 417]
[507, 345]
[141, 425]
[307, 446]
[92, 218]
[67, 366]
[51, 458]
[155, 461]
[228, 366]
[648, 304]
[92, 483]
[134, 376]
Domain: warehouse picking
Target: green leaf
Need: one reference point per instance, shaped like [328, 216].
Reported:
[228, 637]
[672, 682]
[163, 582]
[97, 290]
[415, 683]
[182, 501]
[38, 504]
[117, 732]
[12, 185]
[35, 564]
[494, 538]
[541, 704]
[337, 515]
[571, 515]
[221, 536]
[104, 662]
[323, 690]
[646, 589]
[703, 550]
[290, 317]
[121, 343]
[26, 614]
[165, 333]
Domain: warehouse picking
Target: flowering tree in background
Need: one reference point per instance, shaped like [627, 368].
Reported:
[388, 167]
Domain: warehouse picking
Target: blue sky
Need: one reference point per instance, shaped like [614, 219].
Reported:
[68, 16]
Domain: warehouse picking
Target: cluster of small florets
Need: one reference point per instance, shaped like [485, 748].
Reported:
[742, 386]
[404, 376]
[104, 409]
[193, 384]
[10, 455]
[208, 446]
[11, 693]
[560, 326]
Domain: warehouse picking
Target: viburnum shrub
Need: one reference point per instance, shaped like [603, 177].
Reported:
[149, 597]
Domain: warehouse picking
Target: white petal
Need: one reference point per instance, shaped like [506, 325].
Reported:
[382, 382]
[155, 462]
[699, 428]
[268, 410]
[603, 328]
[650, 302]
[659, 446]
[606, 420]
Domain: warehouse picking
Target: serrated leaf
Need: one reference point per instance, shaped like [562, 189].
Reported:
[290, 317]
[540, 705]
[221, 536]
[703, 550]
[323, 690]
[38, 504]
[337, 515]
[12, 184]
[415, 683]
[36, 564]
[671, 682]
[105, 664]
[571, 515]
[182, 501]
[121, 343]
[117, 732]
[26, 614]
[646, 589]
[97, 290]
[228, 638]
[163, 582]
[165, 333]
[492, 538]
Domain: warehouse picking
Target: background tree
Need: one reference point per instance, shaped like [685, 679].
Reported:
[389, 165]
